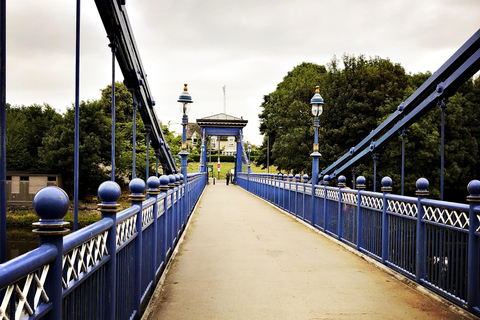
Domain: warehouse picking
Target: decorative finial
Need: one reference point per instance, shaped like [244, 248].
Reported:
[317, 89]
[185, 89]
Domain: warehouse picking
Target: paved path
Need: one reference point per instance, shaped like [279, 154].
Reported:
[241, 258]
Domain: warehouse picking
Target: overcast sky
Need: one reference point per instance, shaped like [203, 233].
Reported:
[247, 45]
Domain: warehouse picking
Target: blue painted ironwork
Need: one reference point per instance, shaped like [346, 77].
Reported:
[433, 242]
[134, 142]
[107, 270]
[444, 82]
[442, 149]
[3, 132]
[113, 45]
[115, 20]
[77, 120]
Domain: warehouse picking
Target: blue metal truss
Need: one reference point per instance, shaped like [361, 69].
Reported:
[115, 20]
[443, 83]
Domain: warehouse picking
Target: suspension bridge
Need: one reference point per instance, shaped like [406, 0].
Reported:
[295, 247]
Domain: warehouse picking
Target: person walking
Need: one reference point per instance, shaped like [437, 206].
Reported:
[228, 177]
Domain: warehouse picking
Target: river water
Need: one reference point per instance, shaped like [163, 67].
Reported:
[20, 241]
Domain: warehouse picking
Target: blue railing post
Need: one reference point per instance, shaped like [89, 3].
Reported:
[360, 186]
[152, 191]
[386, 189]
[51, 205]
[297, 181]
[284, 192]
[171, 195]
[304, 198]
[420, 262]
[341, 184]
[137, 187]
[184, 198]
[473, 246]
[178, 206]
[326, 182]
[109, 192]
[164, 181]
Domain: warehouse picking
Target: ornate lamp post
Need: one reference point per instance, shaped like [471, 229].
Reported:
[317, 109]
[185, 99]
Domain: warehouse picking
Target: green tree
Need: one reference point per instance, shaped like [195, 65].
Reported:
[26, 127]
[57, 151]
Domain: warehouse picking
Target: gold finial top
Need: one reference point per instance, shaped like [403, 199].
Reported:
[185, 89]
[317, 89]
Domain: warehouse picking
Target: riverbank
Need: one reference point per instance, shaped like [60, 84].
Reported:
[21, 217]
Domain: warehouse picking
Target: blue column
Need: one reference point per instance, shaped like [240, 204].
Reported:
[164, 180]
[147, 131]
[238, 164]
[51, 205]
[134, 134]
[109, 192]
[304, 198]
[137, 187]
[113, 46]
[152, 192]
[77, 120]
[360, 186]
[442, 158]
[422, 193]
[473, 245]
[404, 135]
[3, 133]
[326, 182]
[315, 155]
[341, 184]
[386, 189]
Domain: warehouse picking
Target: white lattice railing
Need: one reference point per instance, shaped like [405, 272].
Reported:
[126, 229]
[403, 208]
[22, 306]
[372, 202]
[78, 261]
[454, 218]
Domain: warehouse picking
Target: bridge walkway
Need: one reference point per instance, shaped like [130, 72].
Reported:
[241, 258]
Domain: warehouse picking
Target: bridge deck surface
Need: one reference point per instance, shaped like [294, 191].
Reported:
[243, 259]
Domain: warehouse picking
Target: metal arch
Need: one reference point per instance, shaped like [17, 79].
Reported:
[445, 81]
[115, 20]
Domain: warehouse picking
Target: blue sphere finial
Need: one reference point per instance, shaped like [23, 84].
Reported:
[305, 177]
[153, 182]
[361, 182]
[109, 192]
[164, 180]
[342, 180]
[137, 186]
[386, 184]
[172, 179]
[474, 191]
[50, 203]
[422, 187]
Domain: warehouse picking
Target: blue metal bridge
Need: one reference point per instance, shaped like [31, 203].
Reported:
[110, 269]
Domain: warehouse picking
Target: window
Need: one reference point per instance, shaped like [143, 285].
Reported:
[231, 141]
[52, 178]
[9, 178]
[24, 178]
[194, 141]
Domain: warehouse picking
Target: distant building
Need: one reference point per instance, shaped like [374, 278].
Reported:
[226, 144]
[22, 186]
